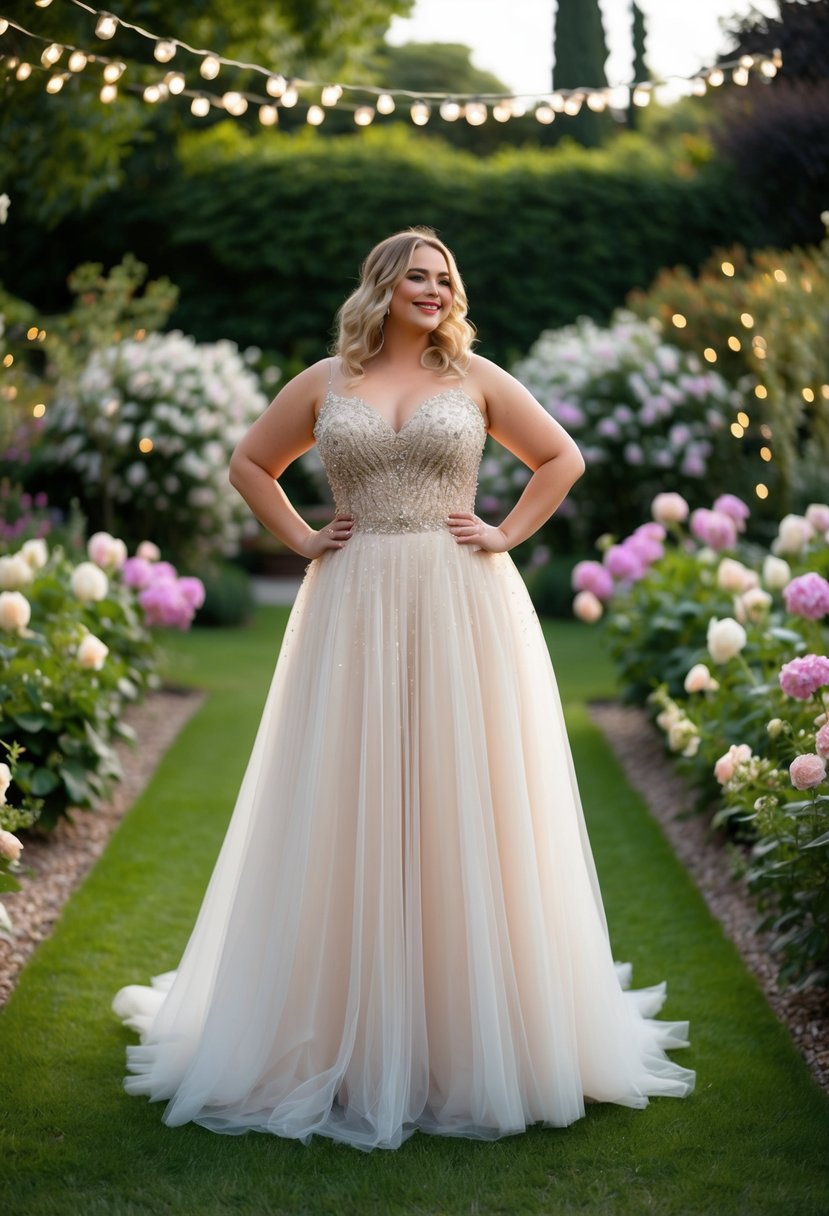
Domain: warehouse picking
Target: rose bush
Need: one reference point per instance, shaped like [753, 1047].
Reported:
[75, 645]
[147, 428]
[641, 410]
[756, 737]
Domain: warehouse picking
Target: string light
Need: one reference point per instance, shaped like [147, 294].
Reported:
[679, 320]
[641, 95]
[545, 114]
[106, 26]
[743, 419]
[740, 75]
[709, 354]
[114, 71]
[290, 95]
[108, 93]
[765, 454]
[596, 102]
[275, 85]
[51, 54]
[38, 410]
[315, 115]
[234, 103]
[420, 113]
[200, 106]
[698, 87]
[761, 490]
[24, 71]
[760, 392]
[734, 343]
[780, 276]
[502, 111]
[737, 431]
[747, 319]
[450, 110]
[330, 95]
[364, 116]
[145, 445]
[715, 78]
[209, 67]
[77, 61]
[164, 50]
[4, 25]
[768, 68]
[475, 113]
[385, 104]
[728, 269]
[572, 104]
[808, 394]
[268, 116]
[43, 3]
[175, 82]
[55, 83]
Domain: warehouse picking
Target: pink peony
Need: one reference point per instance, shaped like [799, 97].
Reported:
[168, 604]
[587, 607]
[802, 677]
[734, 507]
[669, 509]
[807, 771]
[817, 515]
[149, 551]
[653, 531]
[163, 572]
[592, 576]
[644, 547]
[193, 590]
[714, 528]
[822, 741]
[137, 572]
[808, 596]
[726, 766]
[624, 563]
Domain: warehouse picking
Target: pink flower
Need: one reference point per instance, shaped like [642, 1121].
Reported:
[592, 576]
[149, 551]
[726, 766]
[653, 531]
[624, 563]
[10, 846]
[714, 528]
[163, 572]
[818, 516]
[807, 771]
[669, 509]
[699, 679]
[807, 595]
[192, 589]
[822, 741]
[734, 507]
[137, 572]
[587, 607]
[647, 550]
[802, 677]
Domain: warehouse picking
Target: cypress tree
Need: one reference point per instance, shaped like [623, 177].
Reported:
[640, 67]
[580, 52]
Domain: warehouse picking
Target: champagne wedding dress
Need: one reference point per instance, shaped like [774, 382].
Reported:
[403, 929]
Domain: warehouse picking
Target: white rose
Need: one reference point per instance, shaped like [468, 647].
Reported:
[15, 611]
[726, 638]
[5, 782]
[668, 717]
[817, 513]
[92, 652]
[793, 534]
[669, 509]
[89, 583]
[776, 573]
[734, 576]
[36, 553]
[15, 572]
[106, 551]
[699, 679]
[149, 551]
[10, 846]
[681, 734]
[753, 604]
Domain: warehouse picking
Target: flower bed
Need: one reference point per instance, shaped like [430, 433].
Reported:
[726, 643]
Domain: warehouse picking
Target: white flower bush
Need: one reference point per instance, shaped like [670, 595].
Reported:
[148, 429]
[645, 415]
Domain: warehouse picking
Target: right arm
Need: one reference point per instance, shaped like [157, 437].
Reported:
[276, 439]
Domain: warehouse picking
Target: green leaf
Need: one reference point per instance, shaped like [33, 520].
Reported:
[43, 781]
[30, 722]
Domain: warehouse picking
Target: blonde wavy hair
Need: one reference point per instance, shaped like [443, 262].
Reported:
[360, 319]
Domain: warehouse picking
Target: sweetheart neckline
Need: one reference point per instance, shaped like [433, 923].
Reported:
[427, 401]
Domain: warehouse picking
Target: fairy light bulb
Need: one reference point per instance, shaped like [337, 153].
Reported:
[77, 61]
[209, 67]
[572, 104]
[364, 116]
[450, 110]
[114, 71]
[709, 355]
[55, 83]
[597, 102]
[502, 111]
[517, 107]
[106, 26]
[747, 319]
[152, 94]
[761, 490]
[51, 54]
[234, 103]
[557, 103]
[268, 116]
[315, 116]
[420, 113]
[108, 93]
[275, 85]
[4, 25]
[290, 95]
[740, 76]
[698, 87]
[164, 50]
[746, 61]
[175, 82]
[200, 107]
[385, 104]
[728, 269]
[715, 78]
[641, 95]
[768, 69]
[24, 71]
[330, 95]
[545, 114]
[475, 113]
[679, 320]
[42, 3]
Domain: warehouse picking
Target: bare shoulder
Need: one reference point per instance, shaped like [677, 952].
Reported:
[496, 388]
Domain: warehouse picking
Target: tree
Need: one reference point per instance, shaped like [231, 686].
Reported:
[640, 67]
[580, 54]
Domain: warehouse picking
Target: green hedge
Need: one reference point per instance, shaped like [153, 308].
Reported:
[264, 236]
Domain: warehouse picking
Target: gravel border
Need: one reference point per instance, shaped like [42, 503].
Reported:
[54, 864]
[640, 749]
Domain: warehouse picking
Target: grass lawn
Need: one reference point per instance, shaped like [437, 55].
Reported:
[754, 1138]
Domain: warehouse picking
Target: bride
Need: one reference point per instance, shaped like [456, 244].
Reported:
[403, 929]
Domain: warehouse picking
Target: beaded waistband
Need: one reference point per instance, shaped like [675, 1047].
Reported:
[400, 522]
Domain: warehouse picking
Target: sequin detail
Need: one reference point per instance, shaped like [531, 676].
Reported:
[407, 480]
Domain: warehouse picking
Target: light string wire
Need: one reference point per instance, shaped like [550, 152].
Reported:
[597, 98]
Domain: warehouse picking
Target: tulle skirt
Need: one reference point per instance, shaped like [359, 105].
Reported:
[403, 929]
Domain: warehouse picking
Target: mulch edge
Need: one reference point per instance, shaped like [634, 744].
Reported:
[639, 748]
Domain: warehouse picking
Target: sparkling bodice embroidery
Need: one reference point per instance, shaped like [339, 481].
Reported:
[406, 480]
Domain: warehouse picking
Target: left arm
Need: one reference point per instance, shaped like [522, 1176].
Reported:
[520, 424]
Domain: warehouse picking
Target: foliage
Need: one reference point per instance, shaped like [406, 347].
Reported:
[580, 52]
[641, 411]
[228, 596]
[75, 646]
[705, 635]
[12, 819]
[147, 430]
[774, 307]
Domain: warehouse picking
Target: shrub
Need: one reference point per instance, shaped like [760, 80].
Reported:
[148, 429]
[228, 596]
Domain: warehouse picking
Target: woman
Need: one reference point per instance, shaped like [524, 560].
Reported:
[404, 928]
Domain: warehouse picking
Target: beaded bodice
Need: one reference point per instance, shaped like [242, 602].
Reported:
[406, 480]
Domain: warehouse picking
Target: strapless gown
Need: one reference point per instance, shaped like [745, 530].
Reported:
[403, 929]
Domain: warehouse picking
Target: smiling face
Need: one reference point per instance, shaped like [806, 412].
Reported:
[423, 296]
